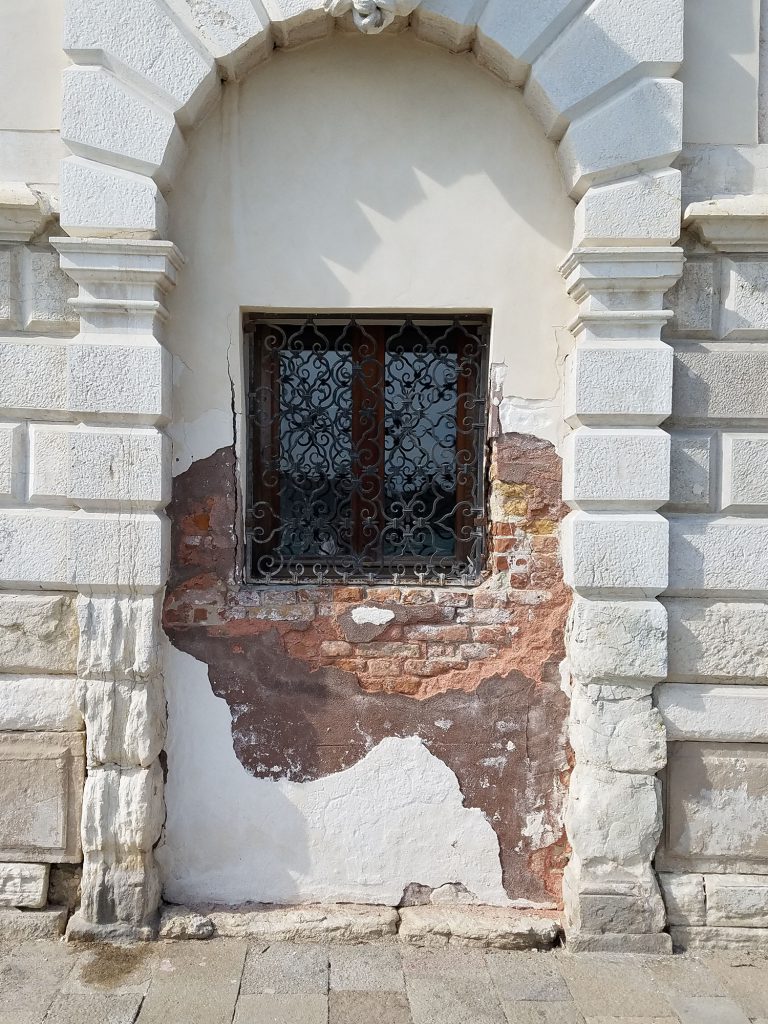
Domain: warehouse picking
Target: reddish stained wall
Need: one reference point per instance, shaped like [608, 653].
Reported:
[472, 671]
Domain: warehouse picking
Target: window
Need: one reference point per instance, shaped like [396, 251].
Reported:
[367, 439]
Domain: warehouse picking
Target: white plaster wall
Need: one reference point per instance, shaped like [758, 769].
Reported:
[30, 89]
[360, 835]
[362, 173]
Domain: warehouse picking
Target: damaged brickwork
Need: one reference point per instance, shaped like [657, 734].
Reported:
[314, 680]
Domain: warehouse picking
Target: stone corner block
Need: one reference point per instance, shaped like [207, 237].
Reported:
[615, 641]
[644, 210]
[621, 554]
[38, 633]
[605, 468]
[630, 381]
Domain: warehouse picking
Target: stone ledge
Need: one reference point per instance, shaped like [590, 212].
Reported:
[611, 942]
[719, 938]
[478, 926]
[18, 925]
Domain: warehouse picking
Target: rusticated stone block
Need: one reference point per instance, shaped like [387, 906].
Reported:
[745, 472]
[737, 900]
[745, 305]
[125, 721]
[117, 890]
[619, 732]
[693, 299]
[38, 704]
[23, 885]
[720, 382]
[41, 779]
[119, 637]
[717, 641]
[691, 479]
[614, 640]
[38, 633]
[47, 290]
[123, 810]
[684, 898]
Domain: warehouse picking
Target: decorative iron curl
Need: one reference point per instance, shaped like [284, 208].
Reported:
[371, 16]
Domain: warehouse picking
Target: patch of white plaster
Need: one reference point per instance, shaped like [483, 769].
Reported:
[374, 616]
[200, 438]
[360, 835]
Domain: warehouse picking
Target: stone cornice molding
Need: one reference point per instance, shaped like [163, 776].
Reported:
[731, 223]
[23, 213]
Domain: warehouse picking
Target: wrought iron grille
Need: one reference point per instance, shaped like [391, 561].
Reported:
[367, 440]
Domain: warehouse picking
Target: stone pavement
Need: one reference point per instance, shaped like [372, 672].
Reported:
[232, 981]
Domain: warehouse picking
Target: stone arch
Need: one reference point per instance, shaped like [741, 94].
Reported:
[597, 75]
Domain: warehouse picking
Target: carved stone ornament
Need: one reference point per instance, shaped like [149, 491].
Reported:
[371, 16]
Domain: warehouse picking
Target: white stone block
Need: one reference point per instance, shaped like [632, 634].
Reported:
[745, 302]
[638, 130]
[119, 637]
[615, 553]
[83, 549]
[716, 808]
[124, 551]
[41, 778]
[295, 22]
[745, 472]
[604, 43]
[717, 641]
[693, 299]
[628, 380]
[591, 817]
[123, 810]
[23, 885]
[90, 467]
[691, 476]
[737, 900]
[125, 721]
[122, 379]
[236, 32]
[104, 120]
[99, 200]
[39, 704]
[512, 33]
[725, 556]
[47, 290]
[684, 898]
[149, 48]
[38, 633]
[720, 382]
[448, 23]
[620, 468]
[34, 547]
[9, 288]
[624, 735]
[11, 454]
[730, 714]
[643, 210]
[617, 640]
[33, 375]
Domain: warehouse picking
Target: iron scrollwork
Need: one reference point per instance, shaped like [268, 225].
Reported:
[367, 449]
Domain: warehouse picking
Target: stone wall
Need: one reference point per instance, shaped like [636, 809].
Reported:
[316, 677]
[713, 856]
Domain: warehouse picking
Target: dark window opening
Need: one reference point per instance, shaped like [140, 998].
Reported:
[366, 448]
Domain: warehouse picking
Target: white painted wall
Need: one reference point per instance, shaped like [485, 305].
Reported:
[362, 173]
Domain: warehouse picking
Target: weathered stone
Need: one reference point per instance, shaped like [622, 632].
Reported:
[374, 968]
[717, 641]
[730, 714]
[691, 476]
[745, 472]
[719, 938]
[596, 796]
[737, 900]
[486, 927]
[120, 895]
[125, 721]
[285, 968]
[615, 640]
[64, 885]
[23, 885]
[38, 633]
[606, 913]
[183, 923]
[336, 923]
[119, 637]
[123, 809]
[684, 898]
[41, 779]
[617, 734]
[720, 381]
[18, 925]
[693, 299]
[39, 704]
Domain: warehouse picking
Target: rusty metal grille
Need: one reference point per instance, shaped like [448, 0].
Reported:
[367, 439]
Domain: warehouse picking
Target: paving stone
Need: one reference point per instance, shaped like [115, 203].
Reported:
[684, 976]
[709, 1010]
[543, 1013]
[632, 1020]
[286, 970]
[366, 969]
[93, 1008]
[282, 1008]
[744, 978]
[30, 978]
[612, 986]
[427, 963]
[453, 1000]
[367, 1007]
[531, 977]
[120, 970]
[196, 983]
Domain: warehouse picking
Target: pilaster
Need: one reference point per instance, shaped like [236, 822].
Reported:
[119, 388]
[616, 552]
